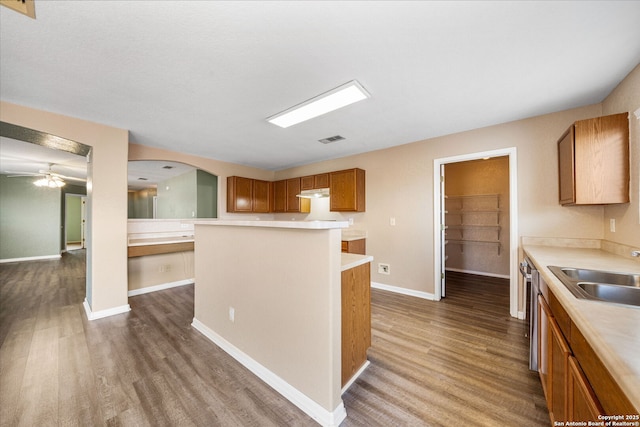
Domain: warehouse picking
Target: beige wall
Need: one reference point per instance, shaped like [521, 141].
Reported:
[400, 185]
[626, 97]
[107, 198]
[478, 177]
[284, 285]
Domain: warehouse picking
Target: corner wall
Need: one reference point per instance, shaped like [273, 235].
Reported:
[107, 199]
[626, 97]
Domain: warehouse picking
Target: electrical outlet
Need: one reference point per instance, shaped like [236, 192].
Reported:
[384, 268]
[164, 268]
[351, 221]
[232, 314]
[392, 221]
[612, 225]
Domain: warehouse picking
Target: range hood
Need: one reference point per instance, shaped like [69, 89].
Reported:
[314, 194]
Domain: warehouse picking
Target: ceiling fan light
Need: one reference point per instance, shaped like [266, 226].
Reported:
[334, 99]
[51, 182]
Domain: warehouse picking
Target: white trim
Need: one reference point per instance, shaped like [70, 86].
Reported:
[478, 273]
[403, 291]
[93, 315]
[355, 376]
[160, 287]
[302, 401]
[31, 258]
[513, 219]
[522, 315]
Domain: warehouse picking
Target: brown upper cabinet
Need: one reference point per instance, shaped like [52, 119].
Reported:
[313, 182]
[285, 196]
[245, 195]
[239, 194]
[279, 196]
[347, 190]
[261, 196]
[593, 161]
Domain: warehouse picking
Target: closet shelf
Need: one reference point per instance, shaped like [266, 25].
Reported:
[462, 242]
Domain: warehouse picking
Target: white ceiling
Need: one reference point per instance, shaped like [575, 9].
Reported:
[201, 77]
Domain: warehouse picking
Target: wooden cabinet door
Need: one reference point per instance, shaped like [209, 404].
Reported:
[261, 196]
[593, 161]
[280, 196]
[321, 180]
[602, 160]
[293, 201]
[558, 372]
[566, 168]
[356, 319]
[582, 403]
[544, 316]
[347, 190]
[239, 194]
[307, 182]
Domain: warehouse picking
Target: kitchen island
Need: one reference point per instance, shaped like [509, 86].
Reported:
[269, 293]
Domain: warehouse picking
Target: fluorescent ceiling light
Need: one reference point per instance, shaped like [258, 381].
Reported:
[336, 98]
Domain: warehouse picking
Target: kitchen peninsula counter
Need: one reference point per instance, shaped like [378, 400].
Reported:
[269, 294]
[612, 330]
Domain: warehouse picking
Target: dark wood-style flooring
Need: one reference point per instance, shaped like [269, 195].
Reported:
[462, 361]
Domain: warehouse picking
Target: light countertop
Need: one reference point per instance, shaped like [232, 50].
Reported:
[158, 239]
[354, 260]
[612, 330]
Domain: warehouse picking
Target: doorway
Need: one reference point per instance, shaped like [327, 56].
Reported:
[74, 221]
[490, 205]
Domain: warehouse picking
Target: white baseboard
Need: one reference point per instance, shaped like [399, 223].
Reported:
[31, 258]
[306, 404]
[478, 273]
[355, 376]
[93, 315]
[160, 287]
[403, 291]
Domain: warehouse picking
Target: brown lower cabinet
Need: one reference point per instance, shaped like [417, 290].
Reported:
[576, 385]
[354, 246]
[356, 319]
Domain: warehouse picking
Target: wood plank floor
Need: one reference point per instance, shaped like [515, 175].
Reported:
[462, 361]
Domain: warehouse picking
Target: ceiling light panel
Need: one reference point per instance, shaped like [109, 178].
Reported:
[334, 99]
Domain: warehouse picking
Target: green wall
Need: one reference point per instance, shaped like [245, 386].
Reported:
[141, 203]
[29, 219]
[190, 195]
[207, 204]
[73, 221]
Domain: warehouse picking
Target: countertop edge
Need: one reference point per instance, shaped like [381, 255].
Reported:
[350, 261]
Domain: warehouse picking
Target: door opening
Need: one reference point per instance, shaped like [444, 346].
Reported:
[473, 220]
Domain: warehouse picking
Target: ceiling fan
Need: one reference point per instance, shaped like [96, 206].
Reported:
[49, 178]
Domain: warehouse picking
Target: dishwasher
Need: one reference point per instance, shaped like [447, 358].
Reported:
[532, 289]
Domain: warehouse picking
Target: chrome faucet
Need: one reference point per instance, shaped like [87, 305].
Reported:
[635, 253]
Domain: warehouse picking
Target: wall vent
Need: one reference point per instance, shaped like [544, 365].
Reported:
[331, 139]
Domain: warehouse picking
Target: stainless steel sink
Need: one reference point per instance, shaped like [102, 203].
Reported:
[613, 293]
[621, 288]
[598, 276]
